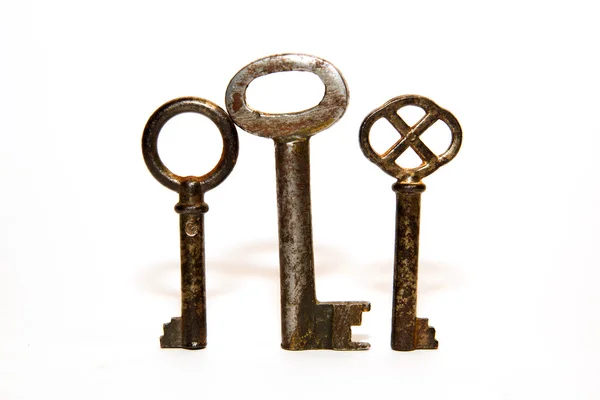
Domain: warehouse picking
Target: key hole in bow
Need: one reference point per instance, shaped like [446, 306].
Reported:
[189, 144]
[411, 114]
[383, 136]
[285, 92]
[437, 137]
[409, 159]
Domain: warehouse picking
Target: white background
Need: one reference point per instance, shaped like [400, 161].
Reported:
[89, 257]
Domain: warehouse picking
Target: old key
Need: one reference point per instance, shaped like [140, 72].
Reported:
[305, 322]
[189, 330]
[408, 331]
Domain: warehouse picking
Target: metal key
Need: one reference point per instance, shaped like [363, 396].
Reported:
[189, 330]
[305, 322]
[408, 331]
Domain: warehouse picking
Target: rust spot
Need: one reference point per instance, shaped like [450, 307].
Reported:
[237, 102]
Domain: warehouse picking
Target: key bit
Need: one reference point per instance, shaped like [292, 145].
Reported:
[305, 322]
[189, 330]
[408, 331]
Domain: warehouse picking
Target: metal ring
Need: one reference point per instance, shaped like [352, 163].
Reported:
[203, 107]
[290, 125]
[410, 138]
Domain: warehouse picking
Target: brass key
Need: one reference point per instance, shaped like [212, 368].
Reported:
[408, 331]
[305, 322]
[189, 330]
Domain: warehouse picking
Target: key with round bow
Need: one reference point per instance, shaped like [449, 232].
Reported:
[189, 330]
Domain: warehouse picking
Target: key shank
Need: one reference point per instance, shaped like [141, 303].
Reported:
[189, 331]
[408, 331]
[296, 260]
[306, 323]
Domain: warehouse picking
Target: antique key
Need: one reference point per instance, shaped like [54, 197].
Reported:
[305, 322]
[189, 330]
[408, 331]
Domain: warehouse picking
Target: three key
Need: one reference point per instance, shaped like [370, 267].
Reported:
[408, 331]
[189, 330]
[305, 322]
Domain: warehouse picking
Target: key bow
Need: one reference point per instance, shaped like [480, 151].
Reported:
[203, 107]
[288, 126]
[410, 137]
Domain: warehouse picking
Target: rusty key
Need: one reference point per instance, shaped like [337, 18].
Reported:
[189, 330]
[306, 323]
[408, 331]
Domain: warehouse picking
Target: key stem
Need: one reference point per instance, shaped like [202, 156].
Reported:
[191, 209]
[296, 260]
[406, 264]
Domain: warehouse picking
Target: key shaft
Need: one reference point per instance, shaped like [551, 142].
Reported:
[306, 323]
[407, 333]
[296, 260]
[189, 331]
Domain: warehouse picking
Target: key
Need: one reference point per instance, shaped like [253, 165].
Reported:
[408, 331]
[305, 322]
[189, 330]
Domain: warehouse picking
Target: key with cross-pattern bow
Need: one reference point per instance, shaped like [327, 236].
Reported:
[408, 331]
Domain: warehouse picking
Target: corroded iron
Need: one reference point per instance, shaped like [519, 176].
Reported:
[189, 330]
[306, 323]
[408, 331]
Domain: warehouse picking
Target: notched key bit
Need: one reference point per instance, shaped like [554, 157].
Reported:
[305, 322]
[189, 330]
[408, 331]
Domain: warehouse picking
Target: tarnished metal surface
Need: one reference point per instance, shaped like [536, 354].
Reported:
[189, 330]
[289, 126]
[410, 138]
[305, 322]
[408, 331]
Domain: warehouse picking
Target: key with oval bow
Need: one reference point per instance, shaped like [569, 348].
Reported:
[306, 323]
